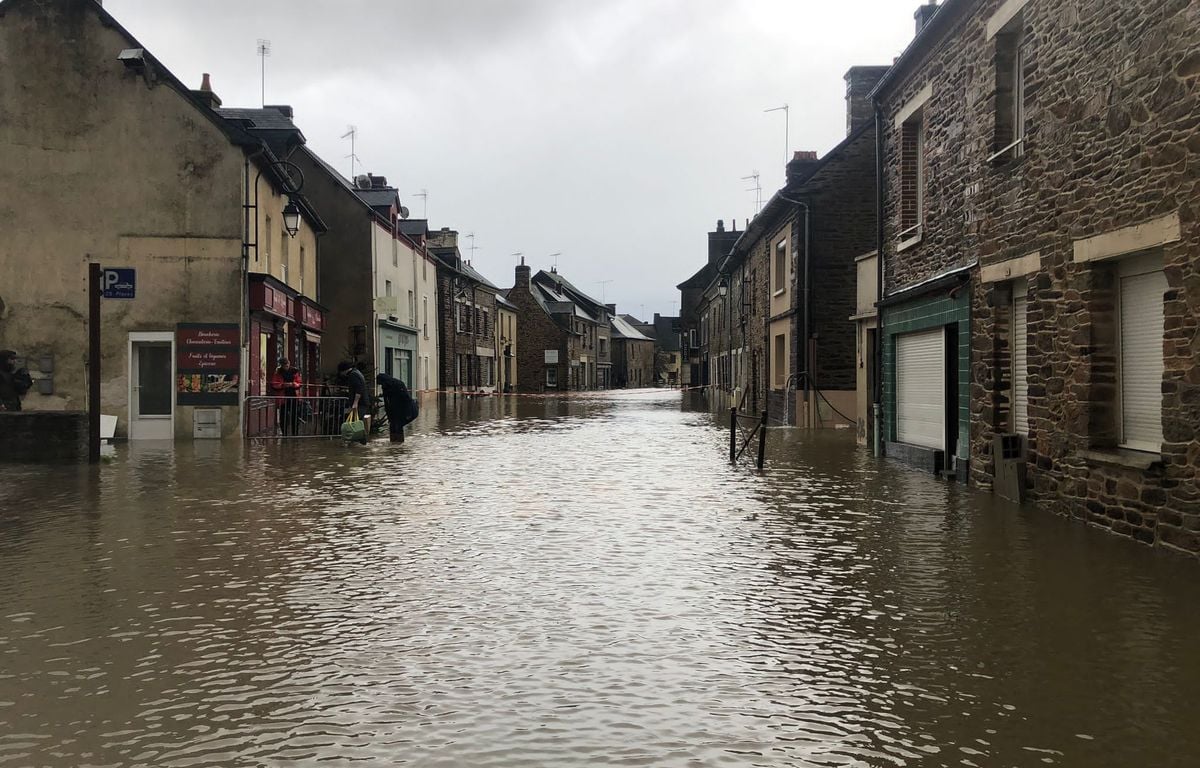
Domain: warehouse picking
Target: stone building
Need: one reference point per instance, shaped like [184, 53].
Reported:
[633, 355]
[379, 281]
[1042, 255]
[695, 362]
[466, 316]
[106, 156]
[560, 344]
[776, 307]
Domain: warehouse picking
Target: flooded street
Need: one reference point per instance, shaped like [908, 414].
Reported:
[575, 583]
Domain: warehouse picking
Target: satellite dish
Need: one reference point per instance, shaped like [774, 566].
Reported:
[403, 212]
[362, 181]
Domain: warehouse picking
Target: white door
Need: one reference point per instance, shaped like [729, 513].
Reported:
[152, 386]
[921, 389]
[1020, 363]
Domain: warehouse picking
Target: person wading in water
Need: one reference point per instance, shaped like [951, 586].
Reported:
[398, 402]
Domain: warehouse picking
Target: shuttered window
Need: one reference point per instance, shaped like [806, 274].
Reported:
[921, 388]
[1020, 360]
[1142, 285]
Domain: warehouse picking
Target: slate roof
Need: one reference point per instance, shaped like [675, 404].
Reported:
[622, 329]
[264, 119]
[567, 288]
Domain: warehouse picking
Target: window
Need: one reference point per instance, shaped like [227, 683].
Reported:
[1142, 284]
[266, 246]
[781, 266]
[303, 263]
[395, 252]
[780, 362]
[912, 176]
[285, 257]
[425, 316]
[603, 348]
[551, 376]
[460, 317]
[412, 309]
[484, 323]
[387, 287]
[1009, 137]
[1019, 333]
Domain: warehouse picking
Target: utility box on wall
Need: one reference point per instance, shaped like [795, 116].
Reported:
[206, 424]
[1008, 452]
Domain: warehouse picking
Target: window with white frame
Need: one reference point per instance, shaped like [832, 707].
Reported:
[1008, 142]
[412, 308]
[425, 316]
[1141, 286]
[781, 267]
[912, 176]
[551, 376]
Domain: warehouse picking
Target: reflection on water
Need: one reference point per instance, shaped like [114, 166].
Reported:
[541, 582]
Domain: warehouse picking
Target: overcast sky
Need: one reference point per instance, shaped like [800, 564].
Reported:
[613, 131]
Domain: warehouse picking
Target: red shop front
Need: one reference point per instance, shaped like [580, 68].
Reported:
[309, 325]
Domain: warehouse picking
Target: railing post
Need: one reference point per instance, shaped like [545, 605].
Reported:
[733, 434]
[762, 440]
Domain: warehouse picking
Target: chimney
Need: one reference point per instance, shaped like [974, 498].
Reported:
[801, 166]
[612, 308]
[924, 14]
[720, 242]
[283, 109]
[522, 281]
[206, 95]
[378, 182]
[860, 81]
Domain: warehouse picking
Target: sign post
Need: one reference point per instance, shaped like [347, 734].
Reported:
[94, 291]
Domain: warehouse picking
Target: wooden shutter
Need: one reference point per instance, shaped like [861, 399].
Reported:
[921, 388]
[1141, 318]
[1020, 361]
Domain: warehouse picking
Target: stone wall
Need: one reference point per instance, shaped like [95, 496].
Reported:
[43, 437]
[536, 333]
[1112, 142]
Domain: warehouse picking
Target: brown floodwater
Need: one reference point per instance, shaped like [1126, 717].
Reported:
[582, 582]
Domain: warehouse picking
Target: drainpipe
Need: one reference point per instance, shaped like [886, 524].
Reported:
[879, 206]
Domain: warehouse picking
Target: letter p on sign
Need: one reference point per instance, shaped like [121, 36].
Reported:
[118, 282]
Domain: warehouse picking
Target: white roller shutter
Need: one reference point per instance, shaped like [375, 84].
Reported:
[1142, 287]
[921, 388]
[1020, 363]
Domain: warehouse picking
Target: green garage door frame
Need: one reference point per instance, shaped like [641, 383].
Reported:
[920, 314]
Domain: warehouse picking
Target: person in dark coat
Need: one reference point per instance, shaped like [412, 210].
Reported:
[360, 395]
[285, 385]
[14, 382]
[398, 403]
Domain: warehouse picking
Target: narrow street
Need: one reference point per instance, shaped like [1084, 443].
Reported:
[574, 582]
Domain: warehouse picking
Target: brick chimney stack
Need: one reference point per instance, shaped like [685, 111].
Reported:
[860, 81]
[801, 166]
[924, 14]
[206, 95]
[522, 279]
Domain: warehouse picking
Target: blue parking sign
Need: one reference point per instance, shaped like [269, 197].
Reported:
[118, 282]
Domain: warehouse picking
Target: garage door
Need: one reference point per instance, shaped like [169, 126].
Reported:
[1020, 365]
[921, 388]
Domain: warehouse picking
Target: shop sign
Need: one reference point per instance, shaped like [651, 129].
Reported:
[208, 363]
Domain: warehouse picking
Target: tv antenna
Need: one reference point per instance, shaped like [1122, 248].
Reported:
[787, 137]
[264, 50]
[352, 134]
[756, 189]
[603, 285]
[424, 195]
[472, 248]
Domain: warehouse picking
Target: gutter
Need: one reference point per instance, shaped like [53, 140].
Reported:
[880, 189]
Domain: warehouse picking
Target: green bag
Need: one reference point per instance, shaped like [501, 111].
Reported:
[353, 428]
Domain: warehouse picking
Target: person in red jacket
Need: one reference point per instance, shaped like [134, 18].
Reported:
[285, 384]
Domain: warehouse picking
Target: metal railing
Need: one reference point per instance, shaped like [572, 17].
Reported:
[293, 417]
[754, 425]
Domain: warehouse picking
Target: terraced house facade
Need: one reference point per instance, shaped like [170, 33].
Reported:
[1041, 256]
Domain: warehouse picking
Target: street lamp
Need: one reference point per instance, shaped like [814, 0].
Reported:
[291, 218]
[723, 287]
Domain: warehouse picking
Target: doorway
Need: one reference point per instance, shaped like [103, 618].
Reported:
[152, 386]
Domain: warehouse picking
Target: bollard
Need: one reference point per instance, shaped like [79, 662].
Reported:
[762, 440]
[733, 434]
